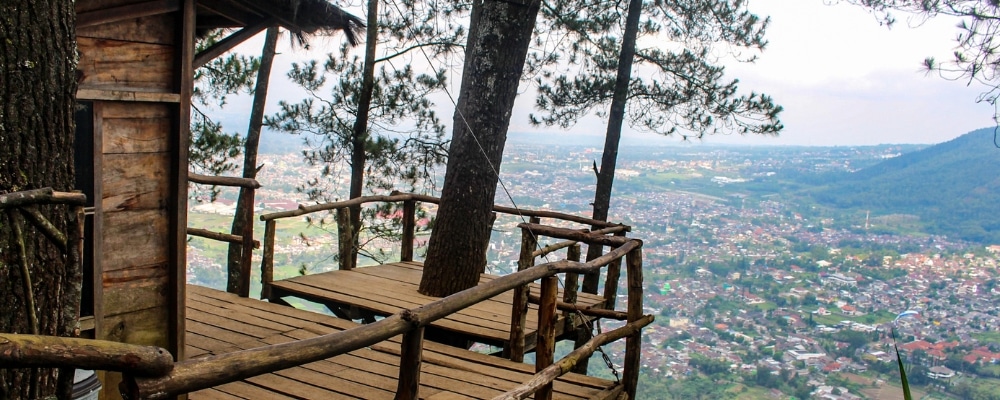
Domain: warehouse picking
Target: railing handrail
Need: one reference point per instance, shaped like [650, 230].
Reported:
[400, 197]
[232, 181]
[196, 374]
[41, 196]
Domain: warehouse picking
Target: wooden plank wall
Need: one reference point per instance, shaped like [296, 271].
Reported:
[138, 151]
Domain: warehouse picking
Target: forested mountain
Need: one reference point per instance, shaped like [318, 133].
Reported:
[953, 187]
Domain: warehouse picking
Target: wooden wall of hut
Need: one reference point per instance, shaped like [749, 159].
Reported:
[131, 68]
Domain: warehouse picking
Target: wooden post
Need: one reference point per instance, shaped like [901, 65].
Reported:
[410, 358]
[633, 343]
[611, 284]
[345, 239]
[545, 348]
[572, 286]
[267, 264]
[246, 247]
[409, 226]
[519, 307]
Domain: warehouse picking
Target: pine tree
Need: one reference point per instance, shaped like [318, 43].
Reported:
[376, 117]
[37, 98]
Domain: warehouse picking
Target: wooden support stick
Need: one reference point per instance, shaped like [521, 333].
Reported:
[570, 290]
[410, 358]
[571, 309]
[633, 343]
[546, 344]
[222, 237]
[121, 13]
[223, 181]
[409, 228]
[566, 363]
[572, 234]
[40, 196]
[267, 264]
[519, 305]
[36, 351]
[561, 245]
[247, 245]
[26, 285]
[50, 231]
[229, 42]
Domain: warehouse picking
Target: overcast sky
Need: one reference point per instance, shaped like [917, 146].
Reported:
[842, 79]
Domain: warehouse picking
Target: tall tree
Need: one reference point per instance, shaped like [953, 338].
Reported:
[499, 36]
[673, 87]
[975, 59]
[359, 122]
[244, 203]
[37, 97]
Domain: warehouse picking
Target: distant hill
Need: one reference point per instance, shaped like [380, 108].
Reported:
[953, 187]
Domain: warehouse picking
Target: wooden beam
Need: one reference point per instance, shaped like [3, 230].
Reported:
[409, 228]
[519, 305]
[566, 363]
[40, 196]
[131, 11]
[126, 95]
[570, 309]
[223, 181]
[37, 351]
[633, 343]
[231, 41]
[546, 344]
[410, 358]
[267, 264]
[222, 237]
[572, 234]
[177, 242]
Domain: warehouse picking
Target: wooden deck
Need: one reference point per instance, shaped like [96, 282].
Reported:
[219, 322]
[387, 289]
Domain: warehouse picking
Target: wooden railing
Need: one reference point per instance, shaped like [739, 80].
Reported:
[408, 233]
[196, 374]
[245, 239]
[147, 374]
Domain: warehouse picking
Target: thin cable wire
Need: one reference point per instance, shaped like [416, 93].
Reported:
[510, 197]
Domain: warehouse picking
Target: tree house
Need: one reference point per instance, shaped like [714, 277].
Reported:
[136, 69]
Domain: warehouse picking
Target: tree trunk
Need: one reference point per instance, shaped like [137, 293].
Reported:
[609, 159]
[244, 205]
[359, 138]
[499, 35]
[37, 91]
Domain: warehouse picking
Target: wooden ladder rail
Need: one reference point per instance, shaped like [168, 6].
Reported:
[244, 239]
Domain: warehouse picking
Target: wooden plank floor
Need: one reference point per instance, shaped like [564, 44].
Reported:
[390, 288]
[219, 322]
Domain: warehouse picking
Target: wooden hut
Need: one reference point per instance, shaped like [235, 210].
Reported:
[136, 69]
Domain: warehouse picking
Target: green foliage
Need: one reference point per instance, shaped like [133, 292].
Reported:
[674, 89]
[212, 150]
[952, 187]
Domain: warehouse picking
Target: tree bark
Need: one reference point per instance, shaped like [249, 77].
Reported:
[359, 139]
[609, 159]
[500, 33]
[244, 204]
[37, 97]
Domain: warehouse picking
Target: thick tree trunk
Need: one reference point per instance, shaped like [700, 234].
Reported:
[500, 33]
[37, 92]
[609, 159]
[244, 205]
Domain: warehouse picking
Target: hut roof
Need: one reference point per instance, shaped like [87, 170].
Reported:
[301, 17]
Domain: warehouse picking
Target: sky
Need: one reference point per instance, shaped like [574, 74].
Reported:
[842, 79]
